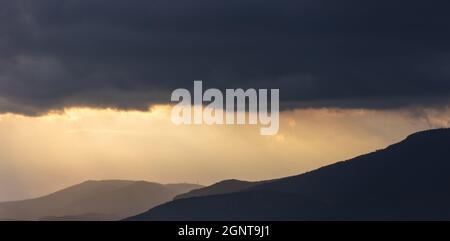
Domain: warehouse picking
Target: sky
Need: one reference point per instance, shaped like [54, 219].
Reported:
[43, 154]
[85, 85]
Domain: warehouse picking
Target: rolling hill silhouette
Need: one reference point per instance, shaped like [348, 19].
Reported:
[94, 200]
[409, 180]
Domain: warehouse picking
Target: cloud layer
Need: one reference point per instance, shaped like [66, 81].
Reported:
[129, 54]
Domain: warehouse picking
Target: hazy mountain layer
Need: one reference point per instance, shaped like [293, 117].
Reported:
[94, 200]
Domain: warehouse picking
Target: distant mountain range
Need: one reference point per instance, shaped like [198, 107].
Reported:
[94, 200]
[409, 180]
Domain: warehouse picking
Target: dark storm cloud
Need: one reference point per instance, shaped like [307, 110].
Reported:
[128, 54]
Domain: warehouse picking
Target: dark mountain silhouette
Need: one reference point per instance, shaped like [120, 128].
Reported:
[409, 180]
[94, 200]
[227, 186]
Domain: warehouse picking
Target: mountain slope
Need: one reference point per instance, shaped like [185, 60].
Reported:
[183, 187]
[407, 180]
[99, 200]
[227, 186]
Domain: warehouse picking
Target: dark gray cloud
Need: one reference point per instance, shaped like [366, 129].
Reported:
[128, 54]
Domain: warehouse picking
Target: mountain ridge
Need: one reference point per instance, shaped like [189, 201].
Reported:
[406, 180]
